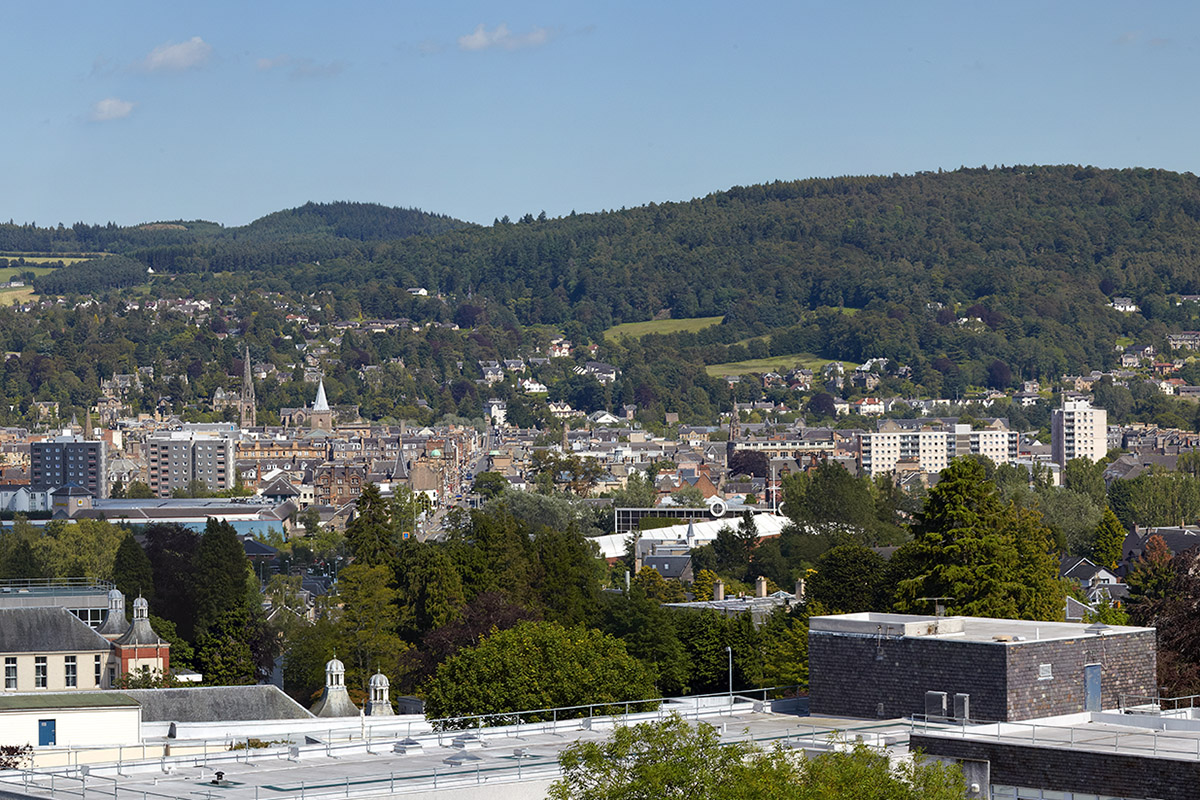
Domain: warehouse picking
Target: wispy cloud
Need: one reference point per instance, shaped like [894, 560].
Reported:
[175, 57]
[500, 36]
[1132, 38]
[111, 108]
[299, 68]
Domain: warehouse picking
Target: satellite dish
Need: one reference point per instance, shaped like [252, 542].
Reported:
[717, 507]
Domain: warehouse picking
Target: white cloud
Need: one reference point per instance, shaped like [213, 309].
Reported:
[500, 36]
[172, 57]
[111, 108]
[268, 64]
[299, 68]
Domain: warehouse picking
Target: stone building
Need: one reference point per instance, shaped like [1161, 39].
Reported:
[968, 668]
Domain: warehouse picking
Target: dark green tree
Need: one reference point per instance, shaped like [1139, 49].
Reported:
[1108, 540]
[489, 485]
[989, 558]
[848, 579]
[536, 665]
[371, 536]
[221, 570]
[132, 571]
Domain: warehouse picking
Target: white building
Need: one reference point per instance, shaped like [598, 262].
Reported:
[1078, 430]
[930, 445]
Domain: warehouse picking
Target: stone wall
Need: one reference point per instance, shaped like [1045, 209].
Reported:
[851, 675]
[1066, 770]
[1127, 666]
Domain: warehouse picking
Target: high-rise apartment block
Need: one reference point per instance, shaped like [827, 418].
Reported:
[1078, 430]
[175, 459]
[69, 459]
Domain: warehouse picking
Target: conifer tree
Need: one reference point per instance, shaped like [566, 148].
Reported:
[1108, 539]
[132, 572]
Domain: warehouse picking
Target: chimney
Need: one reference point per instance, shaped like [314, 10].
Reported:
[760, 586]
[719, 591]
[800, 590]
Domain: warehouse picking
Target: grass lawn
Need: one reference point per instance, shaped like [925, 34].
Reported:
[772, 364]
[10, 297]
[635, 330]
[1124, 341]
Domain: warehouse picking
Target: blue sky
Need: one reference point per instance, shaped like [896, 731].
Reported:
[133, 112]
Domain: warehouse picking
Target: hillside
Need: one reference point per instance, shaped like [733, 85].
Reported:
[357, 222]
[960, 269]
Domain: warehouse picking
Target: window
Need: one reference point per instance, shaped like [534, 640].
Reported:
[10, 672]
[97, 670]
[72, 672]
[1045, 672]
[39, 672]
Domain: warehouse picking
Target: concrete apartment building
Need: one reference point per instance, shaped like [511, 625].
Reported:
[176, 458]
[930, 445]
[1078, 430]
[69, 459]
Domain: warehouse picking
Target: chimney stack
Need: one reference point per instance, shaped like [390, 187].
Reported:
[719, 591]
[800, 590]
[760, 586]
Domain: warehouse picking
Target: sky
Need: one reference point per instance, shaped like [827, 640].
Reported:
[134, 112]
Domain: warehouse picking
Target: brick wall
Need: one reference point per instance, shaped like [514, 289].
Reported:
[1079, 771]
[1127, 666]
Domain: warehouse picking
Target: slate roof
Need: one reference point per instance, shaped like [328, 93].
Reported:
[46, 630]
[29, 702]
[216, 704]
[335, 702]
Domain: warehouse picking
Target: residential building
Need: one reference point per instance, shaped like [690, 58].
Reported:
[1078, 430]
[176, 458]
[69, 459]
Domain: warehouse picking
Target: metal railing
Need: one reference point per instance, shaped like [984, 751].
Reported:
[1148, 741]
[1127, 702]
[81, 780]
[17, 584]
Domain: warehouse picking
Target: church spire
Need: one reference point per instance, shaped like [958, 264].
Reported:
[247, 406]
[320, 404]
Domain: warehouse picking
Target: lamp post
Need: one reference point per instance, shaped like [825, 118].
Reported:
[729, 651]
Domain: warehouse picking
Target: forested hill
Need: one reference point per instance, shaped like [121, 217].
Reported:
[1034, 254]
[353, 222]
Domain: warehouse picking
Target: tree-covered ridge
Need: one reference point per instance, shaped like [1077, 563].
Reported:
[358, 222]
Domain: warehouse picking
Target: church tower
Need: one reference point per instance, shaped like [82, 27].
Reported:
[321, 416]
[247, 406]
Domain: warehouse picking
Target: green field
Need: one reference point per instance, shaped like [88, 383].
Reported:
[773, 364]
[636, 330]
[10, 297]
[48, 258]
[8, 273]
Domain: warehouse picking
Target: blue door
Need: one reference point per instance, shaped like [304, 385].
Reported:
[46, 732]
[1091, 687]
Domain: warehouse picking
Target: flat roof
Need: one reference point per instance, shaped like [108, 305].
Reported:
[964, 629]
[440, 766]
[1107, 732]
[65, 700]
